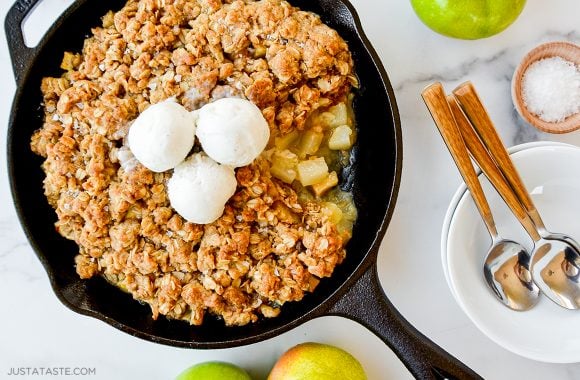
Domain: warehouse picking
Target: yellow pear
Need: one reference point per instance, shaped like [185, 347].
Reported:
[316, 361]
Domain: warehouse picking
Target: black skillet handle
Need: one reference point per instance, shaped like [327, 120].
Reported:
[20, 53]
[366, 303]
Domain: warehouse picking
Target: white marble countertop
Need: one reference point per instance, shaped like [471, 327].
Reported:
[36, 330]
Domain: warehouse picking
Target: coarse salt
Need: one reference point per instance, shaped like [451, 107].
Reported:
[551, 89]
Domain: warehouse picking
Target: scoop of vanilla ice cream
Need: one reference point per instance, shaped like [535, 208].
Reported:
[200, 187]
[162, 136]
[232, 131]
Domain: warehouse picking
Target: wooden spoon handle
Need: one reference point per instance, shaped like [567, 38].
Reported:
[434, 98]
[475, 111]
[488, 166]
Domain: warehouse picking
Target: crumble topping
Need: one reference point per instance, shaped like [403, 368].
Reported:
[269, 247]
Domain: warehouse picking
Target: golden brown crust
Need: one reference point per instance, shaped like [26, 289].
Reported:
[267, 248]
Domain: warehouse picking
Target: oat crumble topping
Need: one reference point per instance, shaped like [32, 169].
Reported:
[269, 247]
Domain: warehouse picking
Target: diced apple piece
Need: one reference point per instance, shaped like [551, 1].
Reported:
[284, 166]
[312, 171]
[283, 174]
[285, 159]
[325, 119]
[340, 115]
[328, 183]
[340, 139]
[333, 211]
[285, 141]
[310, 142]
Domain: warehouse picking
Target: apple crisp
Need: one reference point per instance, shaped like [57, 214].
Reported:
[276, 239]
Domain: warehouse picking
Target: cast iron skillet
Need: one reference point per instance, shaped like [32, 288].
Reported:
[353, 291]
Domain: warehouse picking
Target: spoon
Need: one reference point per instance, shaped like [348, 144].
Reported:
[555, 263]
[507, 255]
[507, 274]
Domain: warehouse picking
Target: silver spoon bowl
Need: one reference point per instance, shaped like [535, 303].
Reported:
[556, 269]
[506, 272]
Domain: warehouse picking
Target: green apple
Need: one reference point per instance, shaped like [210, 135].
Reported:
[468, 19]
[316, 361]
[214, 370]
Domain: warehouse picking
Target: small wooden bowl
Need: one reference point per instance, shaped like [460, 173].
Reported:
[568, 51]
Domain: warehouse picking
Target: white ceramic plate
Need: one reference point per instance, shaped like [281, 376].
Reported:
[549, 333]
